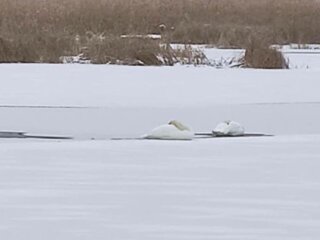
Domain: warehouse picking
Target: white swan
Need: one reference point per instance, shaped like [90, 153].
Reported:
[174, 130]
[229, 128]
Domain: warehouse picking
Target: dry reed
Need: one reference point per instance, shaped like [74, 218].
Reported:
[43, 30]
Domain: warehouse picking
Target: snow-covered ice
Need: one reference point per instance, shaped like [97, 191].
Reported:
[83, 189]
[256, 188]
[88, 101]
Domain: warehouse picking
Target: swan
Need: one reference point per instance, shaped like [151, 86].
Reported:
[229, 128]
[174, 130]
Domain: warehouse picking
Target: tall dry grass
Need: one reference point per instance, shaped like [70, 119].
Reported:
[43, 30]
[259, 54]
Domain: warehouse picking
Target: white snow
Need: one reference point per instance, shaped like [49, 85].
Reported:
[263, 188]
[147, 36]
[180, 86]
[254, 188]
[300, 59]
[118, 101]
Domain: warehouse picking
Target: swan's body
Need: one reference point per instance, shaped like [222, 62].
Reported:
[229, 128]
[174, 130]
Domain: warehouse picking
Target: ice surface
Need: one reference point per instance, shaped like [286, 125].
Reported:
[256, 188]
[119, 86]
[89, 101]
[245, 188]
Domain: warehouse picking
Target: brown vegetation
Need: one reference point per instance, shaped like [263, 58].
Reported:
[43, 30]
[258, 54]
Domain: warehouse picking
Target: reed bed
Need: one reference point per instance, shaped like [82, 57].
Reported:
[44, 30]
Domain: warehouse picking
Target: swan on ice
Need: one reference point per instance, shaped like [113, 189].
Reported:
[229, 128]
[174, 130]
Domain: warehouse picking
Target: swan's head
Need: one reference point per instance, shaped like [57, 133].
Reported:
[179, 125]
[227, 122]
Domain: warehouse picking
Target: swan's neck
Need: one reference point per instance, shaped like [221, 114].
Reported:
[179, 125]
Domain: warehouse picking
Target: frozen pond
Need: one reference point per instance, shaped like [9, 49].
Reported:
[257, 188]
[264, 188]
